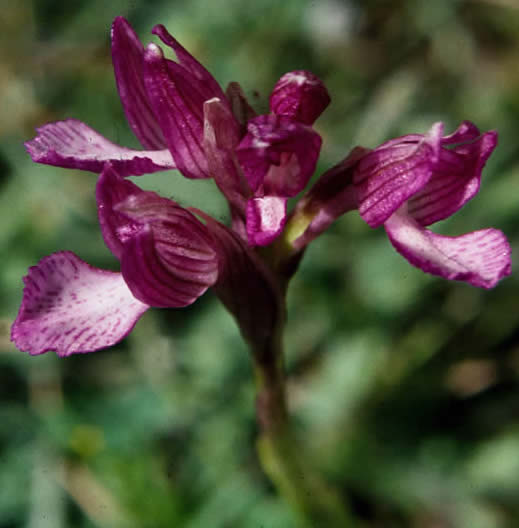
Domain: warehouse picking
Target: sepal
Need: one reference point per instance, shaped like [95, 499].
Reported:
[300, 95]
[127, 59]
[278, 155]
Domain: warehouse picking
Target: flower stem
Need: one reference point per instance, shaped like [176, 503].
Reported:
[280, 455]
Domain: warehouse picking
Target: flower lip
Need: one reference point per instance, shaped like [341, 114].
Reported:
[71, 307]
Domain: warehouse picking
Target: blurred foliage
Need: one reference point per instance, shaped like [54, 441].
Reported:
[404, 386]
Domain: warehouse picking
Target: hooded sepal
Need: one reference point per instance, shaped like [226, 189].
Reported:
[456, 177]
[393, 172]
[167, 255]
[300, 95]
[278, 155]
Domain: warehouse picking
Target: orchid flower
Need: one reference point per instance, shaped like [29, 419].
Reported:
[170, 255]
[407, 184]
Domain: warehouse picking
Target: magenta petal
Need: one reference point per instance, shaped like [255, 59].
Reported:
[278, 154]
[207, 84]
[480, 258]
[166, 253]
[170, 276]
[127, 58]
[388, 175]
[466, 132]
[456, 178]
[300, 95]
[180, 116]
[266, 218]
[74, 145]
[70, 307]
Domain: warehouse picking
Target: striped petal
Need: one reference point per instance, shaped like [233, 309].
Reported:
[456, 178]
[177, 100]
[70, 307]
[127, 58]
[300, 95]
[393, 172]
[207, 84]
[167, 256]
[480, 258]
[74, 145]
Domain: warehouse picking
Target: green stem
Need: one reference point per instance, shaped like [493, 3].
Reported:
[280, 455]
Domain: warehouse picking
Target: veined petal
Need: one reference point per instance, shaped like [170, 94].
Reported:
[466, 132]
[127, 58]
[456, 178]
[70, 307]
[74, 145]
[480, 258]
[278, 154]
[207, 83]
[300, 95]
[162, 279]
[396, 170]
[166, 253]
[180, 117]
[266, 218]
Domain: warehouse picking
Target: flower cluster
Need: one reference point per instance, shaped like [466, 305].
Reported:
[171, 255]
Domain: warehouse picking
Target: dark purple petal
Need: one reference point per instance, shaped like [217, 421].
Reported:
[480, 258]
[266, 218]
[70, 307]
[206, 84]
[300, 95]
[167, 256]
[74, 145]
[127, 58]
[246, 287]
[165, 275]
[393, 172]
[456, 178]
[221, 136]
[278, 155]
[180, 115]
[332, 195]
[240, 107]
[116, 227]
[466, 132]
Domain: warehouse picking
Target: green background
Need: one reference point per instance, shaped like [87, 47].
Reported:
[403, 386]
